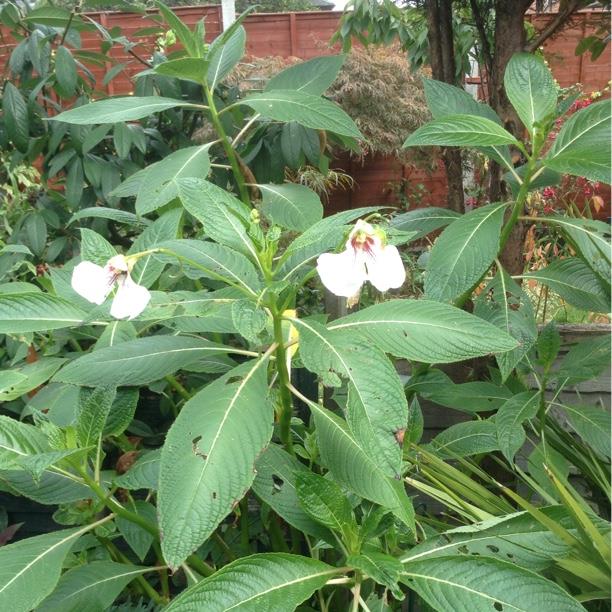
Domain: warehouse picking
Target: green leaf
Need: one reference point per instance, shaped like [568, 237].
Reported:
[224, 217]
[144, 474]
[100, 212]
[18, 440]
[136, 362]
[248, 319]
[509, 308]
[313, 76]
[509, 422]
[113, 110]
[94, 407]
[423, 330]
[306, 109]
[66, 71]
[95, 247]
[159, 180]
[55, 17]
[122, 412]
[29, 376]
[575, 282]
[30, 569]
[186, 68]
[122, 139]
[138, 539]
[476, 396]
[460, 131]
[224, 57]
[183, 33]
[478, 584]
[148, 268]
[208, 459]
[275, 484]
[531, 89]
[577, 148]
[518, 538]
[274, 582]
[37, 312]
[548, 345]
[16, 117]
[35, 233]
[423, 221]
[210, 260]
[464, 252]
[592, 424]
[38, 464]
[352, 467]
[376, 409]
[444, 99]
[586, 359]
[590, 238]
[382, 568]
[465, 439]
[115, 333]
[325, 502]
[292, 206]
[93, 586]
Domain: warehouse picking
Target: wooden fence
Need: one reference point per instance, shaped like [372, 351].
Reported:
[378, 180]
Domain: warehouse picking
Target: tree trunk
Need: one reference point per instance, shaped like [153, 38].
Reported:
[442, 61]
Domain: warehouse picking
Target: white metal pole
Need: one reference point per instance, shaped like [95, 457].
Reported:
[228, 13]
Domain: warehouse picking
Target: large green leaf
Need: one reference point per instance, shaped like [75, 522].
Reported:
[292, 206]
[592, 424]
[224, 217]
[590, 238]
[531, 88]
[66, 71]
[113, 110]
[483, 584]
[120, 216]
[376, 409]
[313, 76]
[37, 312]
[208, 459]
[95, 247]
[94, 408]
[158, 184]
[30, 569]
[575, 282]
[463, 252]
[423, 221]
[586, 359]
[470, 397]
[274, 582]
[276, 471]
[186, 68]
[322, 236]
[139, 539]
[509, 422]
[507, 306]
[225, 56]
[148, 268]
[15, 115]
[137, 362]
[424, 330]
[304, 108]
[577, 148]
[444, 99]
[465, 439]
[460, 131]
[92, 587]
[30, 376]
[352, 467]
[518, 538]
[144, 474]
[210, 260]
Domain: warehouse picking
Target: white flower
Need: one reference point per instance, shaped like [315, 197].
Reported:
[95, 282]
[365, 258]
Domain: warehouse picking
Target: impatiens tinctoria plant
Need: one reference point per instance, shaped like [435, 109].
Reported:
[206, 441]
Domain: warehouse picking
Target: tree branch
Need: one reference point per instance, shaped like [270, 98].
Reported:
[482, 32]
[554, 25]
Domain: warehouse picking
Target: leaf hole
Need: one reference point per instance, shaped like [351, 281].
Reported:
[493, 548]
[277, 483]
[233, 379]
[463, 549]
[498, 606]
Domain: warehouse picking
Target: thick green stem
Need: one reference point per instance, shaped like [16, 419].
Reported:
[176, 385]
[227, 146]
[284, 381]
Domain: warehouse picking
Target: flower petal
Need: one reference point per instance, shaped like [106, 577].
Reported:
[342, 273]
[385, 268]
[130, 300]
[92, 282]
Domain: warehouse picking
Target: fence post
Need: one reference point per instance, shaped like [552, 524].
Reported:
[292, 34]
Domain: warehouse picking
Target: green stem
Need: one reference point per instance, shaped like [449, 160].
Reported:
[356, 592]
[115, 507]
[227, 146]
[176, 385]
[285, 381]
[244, 525]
